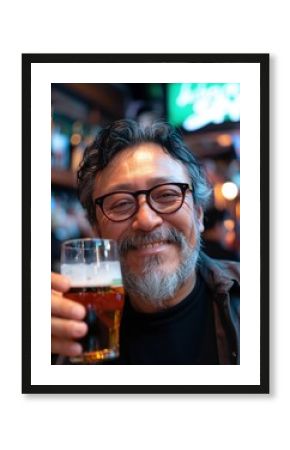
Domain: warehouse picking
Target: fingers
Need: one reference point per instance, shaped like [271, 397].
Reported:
[66, 320]
[65, 308]
[68, 329]
[63, 332]
[59, 282]
[65, 347]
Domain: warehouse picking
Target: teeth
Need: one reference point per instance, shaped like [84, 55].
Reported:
[153, 244]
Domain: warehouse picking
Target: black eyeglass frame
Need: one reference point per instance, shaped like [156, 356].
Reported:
[183, 187]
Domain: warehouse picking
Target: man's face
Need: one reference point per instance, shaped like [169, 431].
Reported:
[142, 167]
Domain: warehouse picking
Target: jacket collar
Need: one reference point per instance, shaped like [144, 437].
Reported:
[220, 276]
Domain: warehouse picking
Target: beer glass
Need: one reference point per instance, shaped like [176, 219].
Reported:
[93, 267]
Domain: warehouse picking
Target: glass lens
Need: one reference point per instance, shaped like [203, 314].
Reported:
[166, 198]
[118, 206]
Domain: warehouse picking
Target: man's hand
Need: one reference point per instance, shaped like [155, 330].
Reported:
[66, 319]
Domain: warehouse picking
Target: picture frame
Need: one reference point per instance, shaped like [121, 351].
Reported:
[252, 72]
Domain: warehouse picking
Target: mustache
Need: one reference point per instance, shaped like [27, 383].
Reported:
[137, 239]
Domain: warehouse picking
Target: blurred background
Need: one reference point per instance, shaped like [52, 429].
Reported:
[208, 116]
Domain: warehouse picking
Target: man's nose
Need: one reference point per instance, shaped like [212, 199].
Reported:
[146, 218]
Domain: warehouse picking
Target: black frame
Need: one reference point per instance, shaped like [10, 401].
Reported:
[263, 61]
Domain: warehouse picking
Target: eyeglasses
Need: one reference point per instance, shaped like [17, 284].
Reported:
[165, 198]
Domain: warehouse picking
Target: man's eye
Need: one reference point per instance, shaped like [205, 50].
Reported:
[168, 195]
[122, 205]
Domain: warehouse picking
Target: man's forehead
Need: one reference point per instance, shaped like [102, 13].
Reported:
[148, 182]
[146, 163]
[143, 153]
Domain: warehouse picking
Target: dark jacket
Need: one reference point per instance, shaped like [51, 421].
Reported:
[222, 278]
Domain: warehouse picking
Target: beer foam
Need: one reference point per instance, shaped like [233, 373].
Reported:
[93, 275]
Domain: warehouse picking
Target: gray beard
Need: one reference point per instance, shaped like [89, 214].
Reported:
[155, 287]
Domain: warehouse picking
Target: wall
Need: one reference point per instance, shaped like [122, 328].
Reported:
[143, 422]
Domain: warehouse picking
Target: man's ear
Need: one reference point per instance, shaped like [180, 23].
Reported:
[199, 218]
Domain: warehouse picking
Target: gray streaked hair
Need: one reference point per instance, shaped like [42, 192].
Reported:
[124, 134]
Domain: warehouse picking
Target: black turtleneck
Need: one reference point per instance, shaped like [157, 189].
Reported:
[182, 334]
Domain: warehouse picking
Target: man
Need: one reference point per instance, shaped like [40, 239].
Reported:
[146, 190]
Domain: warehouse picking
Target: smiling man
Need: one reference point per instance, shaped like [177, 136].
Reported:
[145, 189]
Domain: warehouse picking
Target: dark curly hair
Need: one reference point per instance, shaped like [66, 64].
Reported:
[122, 134]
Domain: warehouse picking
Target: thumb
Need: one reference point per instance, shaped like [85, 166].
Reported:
[59, 282]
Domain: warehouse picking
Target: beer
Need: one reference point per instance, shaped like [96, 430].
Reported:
[93, 267]
[104, 306]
